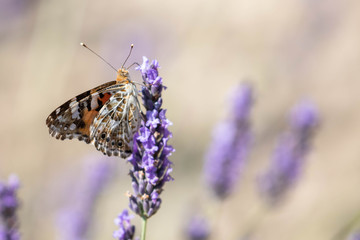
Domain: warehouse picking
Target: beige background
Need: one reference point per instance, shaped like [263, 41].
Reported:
[288, 50]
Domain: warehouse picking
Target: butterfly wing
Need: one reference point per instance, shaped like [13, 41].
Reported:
[74, 118]
[117, 122]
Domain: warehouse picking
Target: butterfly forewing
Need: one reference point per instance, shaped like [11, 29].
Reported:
[107, 116]
[72, 119]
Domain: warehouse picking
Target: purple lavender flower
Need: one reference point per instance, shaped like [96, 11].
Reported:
[151, 167]
[290, 153]
[354, 236]
[230, 145]
[126, 231]
[74, 220]
[198, 228]
[8, 207]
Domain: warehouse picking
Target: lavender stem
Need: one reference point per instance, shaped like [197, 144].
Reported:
[143, 229]
[347, 228]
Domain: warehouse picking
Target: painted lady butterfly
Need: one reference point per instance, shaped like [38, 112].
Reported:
[107, 116]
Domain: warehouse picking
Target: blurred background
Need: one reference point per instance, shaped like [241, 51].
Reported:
[287, 50]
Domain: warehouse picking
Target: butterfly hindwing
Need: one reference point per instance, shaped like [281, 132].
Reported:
[116, 123]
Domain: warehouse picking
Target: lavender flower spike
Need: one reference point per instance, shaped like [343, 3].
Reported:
[230, 146]
[151, 167]
[8, 207]
[354, 236]
[290, 154]
[126, 231]
[198, 228]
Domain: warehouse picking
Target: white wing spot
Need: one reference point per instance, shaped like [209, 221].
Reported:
[72, 103]
[94, 103]
[75, 115]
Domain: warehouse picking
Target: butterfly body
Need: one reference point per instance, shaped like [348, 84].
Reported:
[107, 116]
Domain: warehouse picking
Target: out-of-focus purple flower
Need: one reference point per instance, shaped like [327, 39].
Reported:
[8, 207]
[151, 167]
[74, 220]
[198, 228]
[12, 9]
[290, 153]
[303, 120]
[354, 236]
[126, 231]
[230, 145]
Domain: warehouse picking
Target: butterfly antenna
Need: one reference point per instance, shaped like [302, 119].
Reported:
[84, 45]
[131, 48]
[135, 63]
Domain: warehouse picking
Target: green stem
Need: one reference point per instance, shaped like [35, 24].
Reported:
[345, 230]
[143, 230]
[260, 212]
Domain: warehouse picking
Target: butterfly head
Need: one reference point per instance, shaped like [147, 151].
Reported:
[123, 75]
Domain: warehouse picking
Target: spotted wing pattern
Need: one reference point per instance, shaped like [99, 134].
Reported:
[117, 122]
[96, 112]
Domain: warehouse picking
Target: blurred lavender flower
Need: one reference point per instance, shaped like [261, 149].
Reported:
[151, 167]
[8, 207]
[126, 230]
[230, 145]
[289, 156]
[354, 236]
[11, 10]
[74, 221]
[198, 228]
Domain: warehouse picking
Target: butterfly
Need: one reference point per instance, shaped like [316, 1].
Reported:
[107, 116]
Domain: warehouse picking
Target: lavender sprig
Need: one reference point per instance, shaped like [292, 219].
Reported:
[230, 145]
[354, 236]
[198, 228]
[151, 167]
[8, 208]
[290, 154]
[126, 231]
